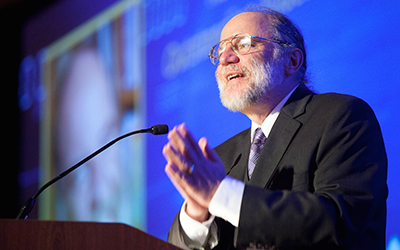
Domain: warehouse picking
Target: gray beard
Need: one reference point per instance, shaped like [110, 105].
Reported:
[263, 77]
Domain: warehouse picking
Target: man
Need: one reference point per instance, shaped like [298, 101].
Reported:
[312, 177]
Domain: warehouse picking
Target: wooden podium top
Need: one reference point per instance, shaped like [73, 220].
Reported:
[35, 234]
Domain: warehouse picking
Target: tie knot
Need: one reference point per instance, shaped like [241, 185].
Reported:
[259, 137]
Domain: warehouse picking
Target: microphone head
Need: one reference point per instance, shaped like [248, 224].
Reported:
[159, 129]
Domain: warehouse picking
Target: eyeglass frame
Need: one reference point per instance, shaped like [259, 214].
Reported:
[233, 48]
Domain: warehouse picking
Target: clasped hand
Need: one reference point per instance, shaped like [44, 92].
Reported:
[195, 169]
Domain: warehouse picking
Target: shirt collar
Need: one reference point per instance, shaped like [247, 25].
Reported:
[269, 121]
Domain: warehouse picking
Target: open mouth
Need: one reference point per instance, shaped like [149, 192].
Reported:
[234, 76]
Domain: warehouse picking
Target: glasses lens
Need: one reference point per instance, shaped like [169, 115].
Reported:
[241, 44]
[216, 52]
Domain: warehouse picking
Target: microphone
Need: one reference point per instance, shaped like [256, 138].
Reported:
[159, 129]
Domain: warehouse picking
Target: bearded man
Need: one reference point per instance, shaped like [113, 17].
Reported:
[311, 171]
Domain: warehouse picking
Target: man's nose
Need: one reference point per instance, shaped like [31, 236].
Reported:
[228, 56]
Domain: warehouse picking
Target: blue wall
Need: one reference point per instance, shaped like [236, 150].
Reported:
[352, 48]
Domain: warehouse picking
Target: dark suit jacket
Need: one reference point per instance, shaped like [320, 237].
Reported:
[320, 182]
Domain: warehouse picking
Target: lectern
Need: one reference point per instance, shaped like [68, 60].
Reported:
[36, 234]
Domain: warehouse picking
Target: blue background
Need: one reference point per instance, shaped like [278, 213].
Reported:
[352, 48]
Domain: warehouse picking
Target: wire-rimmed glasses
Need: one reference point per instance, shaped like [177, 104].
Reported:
[240, 44]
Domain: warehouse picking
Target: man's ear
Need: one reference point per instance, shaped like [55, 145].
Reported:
[294, 63]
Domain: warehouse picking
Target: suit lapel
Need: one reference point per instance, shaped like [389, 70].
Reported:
[238, 169]
[282, 133]
[234, 154]
[275, 146]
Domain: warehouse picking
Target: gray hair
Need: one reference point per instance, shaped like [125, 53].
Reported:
[284, 30]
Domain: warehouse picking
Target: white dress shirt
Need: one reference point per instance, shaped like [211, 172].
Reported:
[227, 200]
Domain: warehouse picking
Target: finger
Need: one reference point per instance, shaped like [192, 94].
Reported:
[175, 177]
[207, 151]
[197, 157]
[173, 156]
[188, 185]
[185, 133]
[183, 141]
[179, 180]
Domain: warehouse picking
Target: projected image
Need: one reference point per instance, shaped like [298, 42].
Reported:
[94, 94]
[87, 116]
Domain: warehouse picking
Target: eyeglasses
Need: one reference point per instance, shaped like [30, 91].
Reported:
[240, 43]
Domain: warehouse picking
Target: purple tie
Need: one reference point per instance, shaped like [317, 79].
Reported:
[255, 149]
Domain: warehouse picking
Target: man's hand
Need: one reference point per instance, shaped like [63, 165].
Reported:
[195, 170]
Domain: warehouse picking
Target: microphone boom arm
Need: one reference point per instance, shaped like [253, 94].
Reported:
[30, 203]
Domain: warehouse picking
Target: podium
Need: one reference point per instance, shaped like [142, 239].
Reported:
[35, 234]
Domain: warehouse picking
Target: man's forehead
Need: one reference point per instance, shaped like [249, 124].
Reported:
[252, 23]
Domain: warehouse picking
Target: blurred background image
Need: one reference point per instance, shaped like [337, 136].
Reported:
[92, 91]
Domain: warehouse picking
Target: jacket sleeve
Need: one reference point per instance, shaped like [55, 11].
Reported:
[345, 206]
[179, 238]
